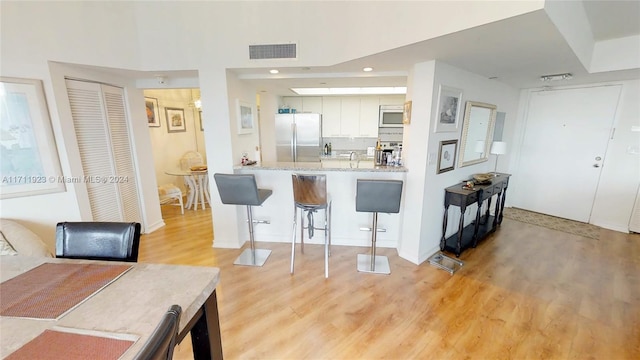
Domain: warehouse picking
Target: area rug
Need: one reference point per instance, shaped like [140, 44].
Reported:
[552, 222]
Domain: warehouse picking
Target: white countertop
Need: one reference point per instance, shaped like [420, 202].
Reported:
[338, 165]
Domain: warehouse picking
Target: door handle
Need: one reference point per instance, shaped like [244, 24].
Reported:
[596, 165]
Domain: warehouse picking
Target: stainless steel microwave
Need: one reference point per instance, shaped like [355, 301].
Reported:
[391, 115]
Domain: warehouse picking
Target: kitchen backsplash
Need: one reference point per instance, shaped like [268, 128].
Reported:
[348, 144]
[390, 134]
[361, 143]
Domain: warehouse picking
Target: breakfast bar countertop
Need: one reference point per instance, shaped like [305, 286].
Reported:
[363, 166]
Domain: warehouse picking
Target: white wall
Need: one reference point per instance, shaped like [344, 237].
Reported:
[242, 143]
[422, 144]
[268, 110]
[168, 148]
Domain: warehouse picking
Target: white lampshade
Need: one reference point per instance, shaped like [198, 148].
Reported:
[499, 148]
[480, 146]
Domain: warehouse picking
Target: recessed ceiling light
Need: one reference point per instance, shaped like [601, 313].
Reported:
[274, 71]
[367, 69]
[380, 90]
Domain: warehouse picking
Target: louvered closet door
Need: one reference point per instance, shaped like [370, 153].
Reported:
[103, 138]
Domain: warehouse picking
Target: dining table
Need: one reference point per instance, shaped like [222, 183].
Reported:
[198, 183]
[127, 308]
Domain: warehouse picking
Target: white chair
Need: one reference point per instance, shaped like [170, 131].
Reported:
[170, 194]
[189, 159]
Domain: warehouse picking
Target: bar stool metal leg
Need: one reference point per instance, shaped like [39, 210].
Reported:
[326, 241]
[372, 263]
[293, 240]
[252, 256]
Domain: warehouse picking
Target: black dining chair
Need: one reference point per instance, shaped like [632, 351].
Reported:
[162, 341]
[113, 241]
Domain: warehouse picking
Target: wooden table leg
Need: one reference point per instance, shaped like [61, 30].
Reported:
[476, 226]
[496, 212]
[460, 231]
[445, 219]
[504, 195]
[205, 333]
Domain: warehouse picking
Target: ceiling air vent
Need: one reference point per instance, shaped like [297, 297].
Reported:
[272, 51]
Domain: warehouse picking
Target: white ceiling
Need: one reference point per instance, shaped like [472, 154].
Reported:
[611, 19]
[516, 51]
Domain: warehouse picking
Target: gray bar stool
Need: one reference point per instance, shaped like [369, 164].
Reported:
[241, 189]
[377, 196]
[310, 195]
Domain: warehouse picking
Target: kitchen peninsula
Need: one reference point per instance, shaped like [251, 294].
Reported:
[341, 188]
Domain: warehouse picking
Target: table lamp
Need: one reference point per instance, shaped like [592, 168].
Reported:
[498, 148]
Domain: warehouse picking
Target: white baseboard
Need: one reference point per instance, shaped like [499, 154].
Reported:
[153, 227]
[614, 227]
[319, 240]
[427, 254]
[225, 244]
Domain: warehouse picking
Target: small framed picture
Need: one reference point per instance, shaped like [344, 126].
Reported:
[447, 155]
[406, 114]
[449, 103]
[175, 120]
[200, 117]
[153, 114]
[245, 117]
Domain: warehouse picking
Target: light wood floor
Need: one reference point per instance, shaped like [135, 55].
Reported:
[525, 292]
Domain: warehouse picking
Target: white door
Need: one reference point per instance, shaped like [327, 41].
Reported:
[563, 150]
[102, 132]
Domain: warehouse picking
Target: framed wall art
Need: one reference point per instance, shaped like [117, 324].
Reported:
[447, 156]
[30, 163]
[448, 111]
[153, 112]
[406, 114]
[245, 117]
[175, 120]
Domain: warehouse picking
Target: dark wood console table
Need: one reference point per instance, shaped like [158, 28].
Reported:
[468, 236]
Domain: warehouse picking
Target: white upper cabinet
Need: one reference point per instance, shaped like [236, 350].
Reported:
[331, 116]
[345, 116]
[392, 99]
[312, 104]
[369, 113]
[292, 102]
[350, 117]
[308, 104]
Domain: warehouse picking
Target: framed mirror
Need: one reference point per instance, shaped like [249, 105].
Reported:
[477, 132]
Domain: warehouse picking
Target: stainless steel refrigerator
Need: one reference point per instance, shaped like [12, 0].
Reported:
[298, 137]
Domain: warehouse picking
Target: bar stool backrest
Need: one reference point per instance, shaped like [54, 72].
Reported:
[378, 196]
[240, 189]
[309, 190]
